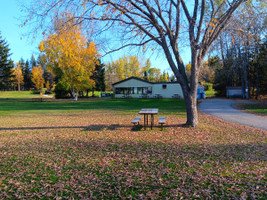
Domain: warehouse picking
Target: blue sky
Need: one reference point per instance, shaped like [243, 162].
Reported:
[20, 46]
[23, 46]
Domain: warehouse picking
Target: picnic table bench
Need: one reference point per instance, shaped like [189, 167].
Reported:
[162, 120]
[136, 120]
[146, 112]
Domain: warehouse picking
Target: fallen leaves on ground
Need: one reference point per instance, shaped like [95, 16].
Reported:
[97, 155]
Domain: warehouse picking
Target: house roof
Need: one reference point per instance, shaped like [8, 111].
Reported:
[139, 79]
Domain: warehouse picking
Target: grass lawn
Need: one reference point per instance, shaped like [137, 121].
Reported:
[257, 108]
[18, 95]
[22, 95]
[88, 150]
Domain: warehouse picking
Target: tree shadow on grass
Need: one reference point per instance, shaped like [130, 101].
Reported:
[94, 127]
[137, 127]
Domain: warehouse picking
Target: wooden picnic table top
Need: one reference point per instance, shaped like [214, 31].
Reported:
[149, 111]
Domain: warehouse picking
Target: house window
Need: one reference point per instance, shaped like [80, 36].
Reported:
[144, 90]
[134, 90]
[139, 90]
[164, 86]
[121, 91]
[130, 90]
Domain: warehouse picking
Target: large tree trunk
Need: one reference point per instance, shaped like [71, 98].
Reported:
[76, 97]
[190, 93]
[74, 94]
[191, 108]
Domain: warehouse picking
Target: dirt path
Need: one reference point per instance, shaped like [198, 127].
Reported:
[223, 109]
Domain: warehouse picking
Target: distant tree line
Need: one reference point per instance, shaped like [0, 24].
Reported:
[128, 66]
[56, 71]
[238, 58]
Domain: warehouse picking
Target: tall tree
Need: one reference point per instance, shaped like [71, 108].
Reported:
[6, 65]
[18, 76]
[99, 77]
[164, 77]
[27, 76]
[157, 23]
[37, 77]
[33, 62]
[70, 56]
[48, 75]
[125, 67]
[145, 69]
[239, 44]
[154, 74]
[151, 73]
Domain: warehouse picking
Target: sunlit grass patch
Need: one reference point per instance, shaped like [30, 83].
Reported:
[18, 95]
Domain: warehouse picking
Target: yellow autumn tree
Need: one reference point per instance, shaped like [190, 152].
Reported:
[37, 77]
[18, 76]
[70, 56]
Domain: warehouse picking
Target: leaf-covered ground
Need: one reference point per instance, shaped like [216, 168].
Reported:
[95, 154]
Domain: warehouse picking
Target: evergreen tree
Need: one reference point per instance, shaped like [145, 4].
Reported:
[6, 66]
[27, 76]
[21, 64]
[99, 77]
[33, 62]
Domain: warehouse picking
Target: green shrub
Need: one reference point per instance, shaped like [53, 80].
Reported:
[35, 92]
[61, 90]
[208, 86]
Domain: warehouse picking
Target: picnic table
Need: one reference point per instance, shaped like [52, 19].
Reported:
[146, 112]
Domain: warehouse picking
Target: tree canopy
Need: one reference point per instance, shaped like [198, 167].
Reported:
[37, 77]
[70, 55]
[18, 76]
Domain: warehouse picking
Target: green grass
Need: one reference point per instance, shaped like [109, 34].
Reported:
[18, 95]
[15, 95]
[124, 105]
[260, 109]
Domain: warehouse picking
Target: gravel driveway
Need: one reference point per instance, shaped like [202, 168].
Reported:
[223, 109]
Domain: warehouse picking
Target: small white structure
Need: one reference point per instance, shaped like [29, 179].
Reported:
[138, 88]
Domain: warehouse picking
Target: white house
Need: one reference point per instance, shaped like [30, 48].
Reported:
[139, 88]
